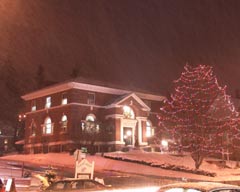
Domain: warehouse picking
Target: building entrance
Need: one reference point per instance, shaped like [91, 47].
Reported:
[128, 135]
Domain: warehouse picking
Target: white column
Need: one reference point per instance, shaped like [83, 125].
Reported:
[133, 135]
[121, 130]
[140, 131]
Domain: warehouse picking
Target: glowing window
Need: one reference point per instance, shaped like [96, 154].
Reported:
[128, 112]
[48, 102]
[64, 122]
[64, 99]
[64, 118]
[48, 126]
[90, 117]
[33, 105]
[149, 130]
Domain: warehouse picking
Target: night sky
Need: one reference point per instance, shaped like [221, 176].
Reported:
[144, 43]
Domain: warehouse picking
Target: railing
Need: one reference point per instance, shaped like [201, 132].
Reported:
[15, 170]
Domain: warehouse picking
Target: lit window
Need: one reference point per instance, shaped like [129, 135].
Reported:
[149, 130]
[88, 121]
[48, 102]
[48, 126]
[33, 105]
[64, 99]
[128, 112]
[64, 122]
[90, 117]
[91, 98]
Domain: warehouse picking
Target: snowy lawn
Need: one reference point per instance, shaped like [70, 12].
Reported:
[101, 164]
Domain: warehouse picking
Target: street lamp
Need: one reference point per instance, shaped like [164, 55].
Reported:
[164, 144]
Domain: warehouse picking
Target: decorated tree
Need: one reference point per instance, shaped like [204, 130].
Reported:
[199, 115]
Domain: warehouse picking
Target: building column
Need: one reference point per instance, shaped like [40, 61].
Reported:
[139, 131]
[121, 131]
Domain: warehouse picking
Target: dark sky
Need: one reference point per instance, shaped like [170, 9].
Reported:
[144, 43]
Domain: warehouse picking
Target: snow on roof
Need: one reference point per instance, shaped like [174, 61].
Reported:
[83, 85]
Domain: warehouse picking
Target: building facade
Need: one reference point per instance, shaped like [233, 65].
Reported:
[74, 114]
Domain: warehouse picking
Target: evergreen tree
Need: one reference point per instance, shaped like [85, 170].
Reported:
[83, 70]
[11, 78]
[11, 98]
[199, 114]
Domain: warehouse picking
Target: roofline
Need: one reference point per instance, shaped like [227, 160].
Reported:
[87, 87]
[139, 100]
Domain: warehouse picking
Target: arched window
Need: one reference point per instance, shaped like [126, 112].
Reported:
[64, 122]
[48, 126]
[90, 117]
[64, 118]
[89, 124]
[128, 112]
[149, 129]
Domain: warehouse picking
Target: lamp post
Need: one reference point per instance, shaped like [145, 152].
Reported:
[164, 144]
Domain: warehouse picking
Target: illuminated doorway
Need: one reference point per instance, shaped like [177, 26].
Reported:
[128, 135]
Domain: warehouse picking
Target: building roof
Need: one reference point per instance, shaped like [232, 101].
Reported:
[122, 98]
[91, 85]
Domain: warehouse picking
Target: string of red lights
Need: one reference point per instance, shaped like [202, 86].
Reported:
[199, 114]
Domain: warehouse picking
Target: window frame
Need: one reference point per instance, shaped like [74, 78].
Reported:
[93, 119]
[33, 105]
[91, 101]
[128, 112]
[48, 102]
[48, 126]
[149, 129]
[64, 123]
[64, 99]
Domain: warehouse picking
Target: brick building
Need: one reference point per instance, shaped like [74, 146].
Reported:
[78, 113]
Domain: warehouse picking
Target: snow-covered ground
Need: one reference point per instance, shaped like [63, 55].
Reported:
[101, 164]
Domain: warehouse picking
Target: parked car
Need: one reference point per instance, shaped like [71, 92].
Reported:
[199, 187]
[75, 185]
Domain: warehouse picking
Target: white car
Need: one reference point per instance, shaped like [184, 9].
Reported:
[75, 185]
[199, 187]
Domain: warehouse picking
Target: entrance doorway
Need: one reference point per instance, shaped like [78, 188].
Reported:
[128, 135]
